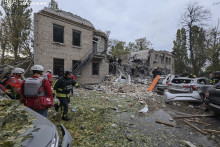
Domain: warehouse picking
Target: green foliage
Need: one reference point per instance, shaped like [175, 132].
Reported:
[143, 43]
[118, 48]
[213, 52]
[18, 21]
[14, 122]
[199, 48]
[180, 51]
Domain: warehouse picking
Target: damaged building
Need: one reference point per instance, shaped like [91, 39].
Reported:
[63, 41]
[148, 59]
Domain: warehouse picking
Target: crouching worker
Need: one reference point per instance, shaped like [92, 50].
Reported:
[36, 92]
[63, 86]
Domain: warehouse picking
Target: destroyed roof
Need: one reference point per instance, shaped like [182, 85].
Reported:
[68, 15]
[163, 52]
[140, 55]
[101, 33]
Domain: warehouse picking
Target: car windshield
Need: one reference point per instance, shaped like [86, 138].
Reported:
[181, 81]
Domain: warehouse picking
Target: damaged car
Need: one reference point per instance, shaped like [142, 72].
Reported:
[186, 89]
[21, 126]
[212, 99]
[163, 81]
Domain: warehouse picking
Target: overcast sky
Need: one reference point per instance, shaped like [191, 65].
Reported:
[127, 20]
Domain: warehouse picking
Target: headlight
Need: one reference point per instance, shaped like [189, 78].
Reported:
[55, 140]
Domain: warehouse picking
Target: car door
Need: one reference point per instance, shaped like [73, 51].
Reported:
[203, 84]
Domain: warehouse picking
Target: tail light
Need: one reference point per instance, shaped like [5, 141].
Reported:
[169, 84]
[167, 81]
[194, 88]
[186, 86]
[207, 95]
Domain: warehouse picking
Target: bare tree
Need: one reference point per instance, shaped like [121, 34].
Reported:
[195, 14]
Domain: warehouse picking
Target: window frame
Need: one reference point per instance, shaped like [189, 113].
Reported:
[93, 70]
[58, 39]
[73, 37]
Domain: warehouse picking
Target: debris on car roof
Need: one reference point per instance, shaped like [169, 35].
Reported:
[14, 121]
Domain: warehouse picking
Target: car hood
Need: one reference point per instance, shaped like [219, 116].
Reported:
[41, 134]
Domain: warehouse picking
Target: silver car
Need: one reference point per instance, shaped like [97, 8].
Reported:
[187, 89]
[43, 133]
[163, 81]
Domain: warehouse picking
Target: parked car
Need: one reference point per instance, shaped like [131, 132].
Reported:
[163, 81]
[187, 89]
[43, 133]
[212, 99]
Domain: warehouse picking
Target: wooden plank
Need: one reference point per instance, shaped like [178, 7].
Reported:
[191, 116]
[188, 143]
[154, 83]
[165, 123]
[195, 127]
[211, 131]
[199, 122]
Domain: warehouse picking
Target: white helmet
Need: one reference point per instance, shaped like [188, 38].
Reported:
[37, 67]
[50, 71]
[18, 71]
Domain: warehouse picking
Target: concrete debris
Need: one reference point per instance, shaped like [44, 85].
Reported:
[126, 88]
[144, 110]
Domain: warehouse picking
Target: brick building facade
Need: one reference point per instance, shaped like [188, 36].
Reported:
[163, 60]
[63, 41]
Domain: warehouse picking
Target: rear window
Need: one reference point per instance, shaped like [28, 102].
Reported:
[180, 81]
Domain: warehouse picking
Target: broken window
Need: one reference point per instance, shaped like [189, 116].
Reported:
[202, 81]
[76, 38]
[58, 66]
[95, 68]
[166, 60]
[156, 57]
[95, 43]
[58, 33]
[162, 59]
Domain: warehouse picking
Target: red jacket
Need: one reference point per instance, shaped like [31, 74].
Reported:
[50, 78]
[14, 82]
[73, 77]
[47, 89]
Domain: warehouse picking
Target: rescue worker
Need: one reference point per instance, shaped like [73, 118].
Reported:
[13, 83]
[191, 76]
[216, 78]
[63, 86]
[36, 92]
[48, 76]
[119, 61]
[154, 72]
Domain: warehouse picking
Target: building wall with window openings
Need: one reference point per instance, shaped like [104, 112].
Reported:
[62, 40]
[163, 60]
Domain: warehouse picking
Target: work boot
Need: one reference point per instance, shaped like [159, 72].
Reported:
[56, 106]
[65, 118]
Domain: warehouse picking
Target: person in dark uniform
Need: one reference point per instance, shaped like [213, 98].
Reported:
[63, 86]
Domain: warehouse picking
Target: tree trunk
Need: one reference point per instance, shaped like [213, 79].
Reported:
[16, 53]
[191, 51]
[3, 56]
